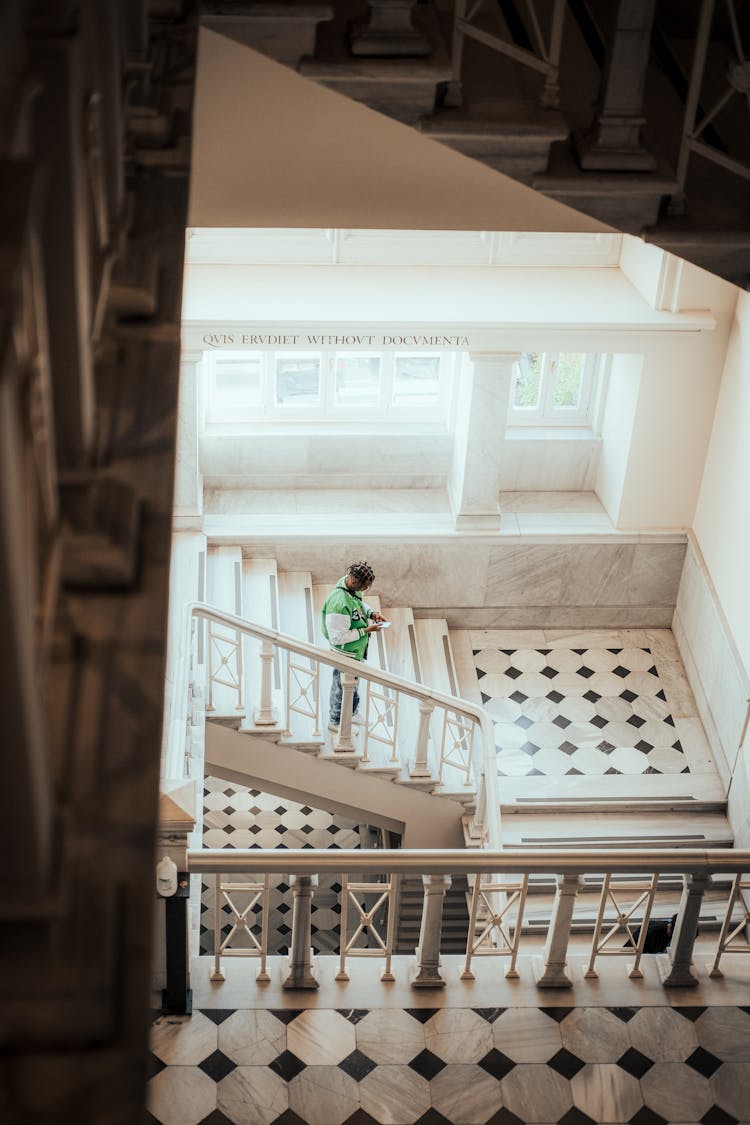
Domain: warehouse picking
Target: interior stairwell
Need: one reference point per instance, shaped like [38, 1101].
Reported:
[612, 809]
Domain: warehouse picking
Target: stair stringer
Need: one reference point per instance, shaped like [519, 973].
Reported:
[424, 821]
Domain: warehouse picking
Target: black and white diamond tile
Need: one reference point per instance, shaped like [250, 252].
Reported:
[457, 1065]
[562, 711]
[235, 816]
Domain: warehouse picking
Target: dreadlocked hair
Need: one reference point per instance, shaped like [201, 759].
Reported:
[362, 573]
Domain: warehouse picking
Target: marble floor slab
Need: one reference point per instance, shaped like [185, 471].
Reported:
[461, 1066]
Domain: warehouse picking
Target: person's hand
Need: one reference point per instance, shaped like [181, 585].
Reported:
[377, 617]
[375, 628]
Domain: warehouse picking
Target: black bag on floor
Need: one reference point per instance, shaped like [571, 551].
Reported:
[658, 935]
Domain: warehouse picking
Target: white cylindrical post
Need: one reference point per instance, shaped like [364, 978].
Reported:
[421, 768]
[301, 973]
[550, 98]
[556, 950]
[342, 743]
[265, 715]
[217, 973]
[674, 967]
[427, 973]
[453, 95]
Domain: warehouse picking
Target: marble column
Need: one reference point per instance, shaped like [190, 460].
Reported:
[428, 951]
[301, 973]
[614, 142]
[556, 950]
[484, 388]
[388, 31]
[675, 967]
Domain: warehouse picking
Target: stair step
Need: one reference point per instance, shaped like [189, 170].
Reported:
[616, 829]
[512, 138]
[653, 793]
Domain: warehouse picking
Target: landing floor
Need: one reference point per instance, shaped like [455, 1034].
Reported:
[593, 703]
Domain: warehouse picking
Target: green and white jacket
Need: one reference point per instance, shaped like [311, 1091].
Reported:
[345, 618]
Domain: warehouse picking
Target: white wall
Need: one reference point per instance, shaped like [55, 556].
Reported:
[617, 431]
[673, 415]
[722, 519]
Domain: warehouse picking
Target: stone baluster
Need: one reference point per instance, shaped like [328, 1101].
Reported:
[614, 142]
[550, 98]
[674, 967]
[427, 973]
[342, 742]
[453, 93]
[420, 766]
[478, 823]
[556, 949]
[388, 30]
[265, 716]
[301, 974]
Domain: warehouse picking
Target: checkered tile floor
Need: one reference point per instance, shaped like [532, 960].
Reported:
[567, 711]
[648, 1066]
[235, 816]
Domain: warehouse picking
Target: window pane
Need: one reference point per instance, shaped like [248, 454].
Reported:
[297, 381]
[357, 380]
[528, 383]
[568, 381]
[416, 378]
[239, 377]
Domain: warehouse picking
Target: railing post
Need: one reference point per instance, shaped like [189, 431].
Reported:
[300, 952]
[453, 95]
[478, 823]
[343, 741]
[420, 767]
[674, 967]
[265, 715]
[556, 949]
[427, 973]
[551, 93]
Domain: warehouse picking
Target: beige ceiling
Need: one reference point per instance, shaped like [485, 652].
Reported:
[274, 149]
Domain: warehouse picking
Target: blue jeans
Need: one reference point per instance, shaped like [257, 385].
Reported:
[335, 699]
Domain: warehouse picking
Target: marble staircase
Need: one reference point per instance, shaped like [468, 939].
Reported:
[589, 810]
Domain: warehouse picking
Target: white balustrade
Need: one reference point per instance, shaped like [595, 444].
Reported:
[733, 936]
[606, 935]
[500, 904]
[243, 923]
[500, 898]
[543, 57]
[381, 932]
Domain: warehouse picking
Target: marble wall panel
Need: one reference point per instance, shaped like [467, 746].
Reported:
[533, 465]
[511, 584]
[621, 574]
[301, 456]
[717, 677]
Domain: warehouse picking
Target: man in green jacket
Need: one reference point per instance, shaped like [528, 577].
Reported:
[347, 623]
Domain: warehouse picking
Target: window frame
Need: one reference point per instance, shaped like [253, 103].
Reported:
[228, 407]
[546, 414]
